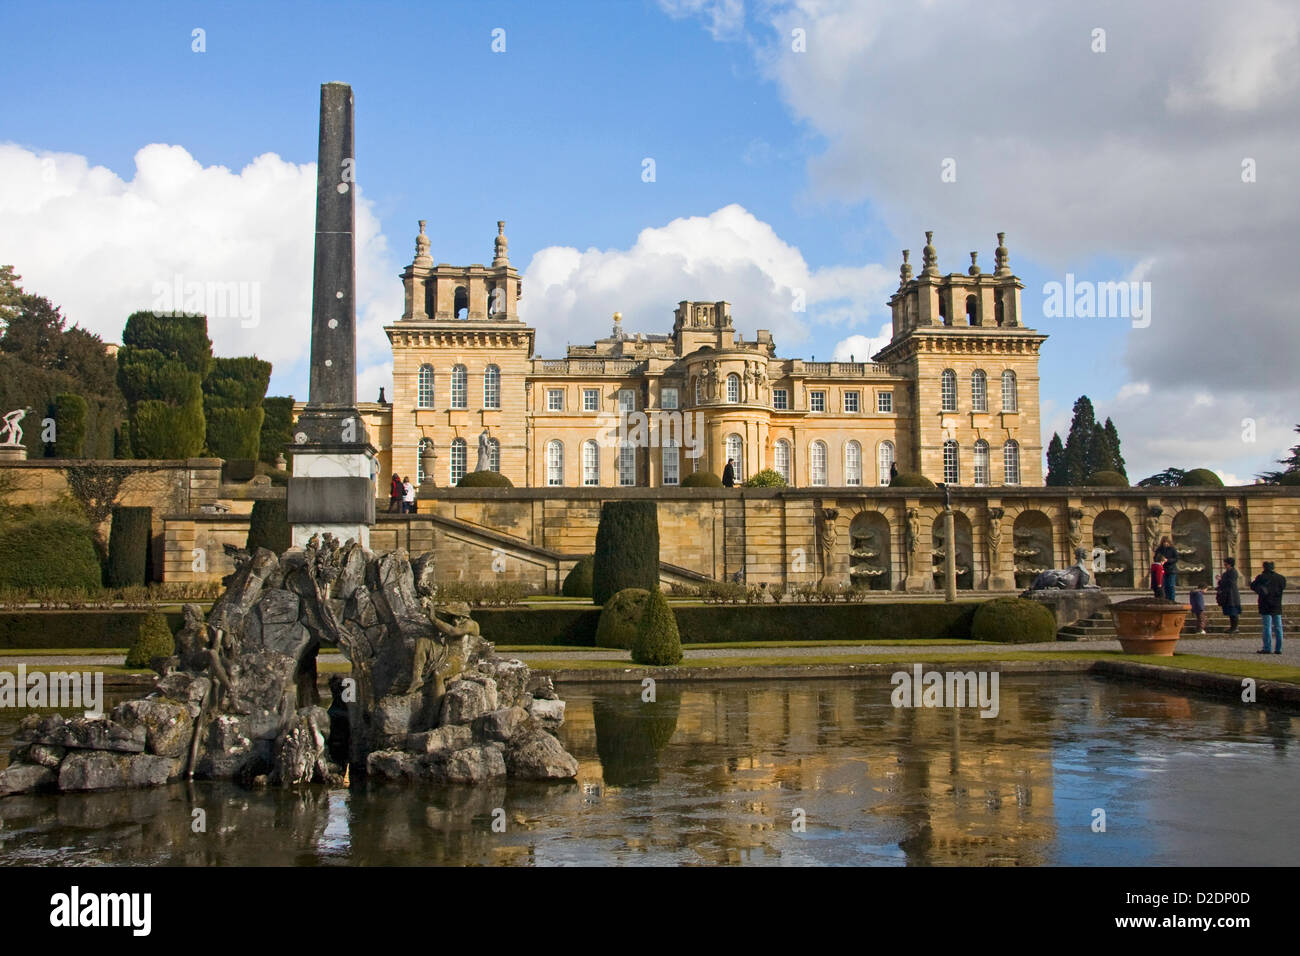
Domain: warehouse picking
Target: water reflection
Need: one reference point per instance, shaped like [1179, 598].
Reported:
[719, 772]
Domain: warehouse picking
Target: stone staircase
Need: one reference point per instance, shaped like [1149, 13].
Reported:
[1100, 627]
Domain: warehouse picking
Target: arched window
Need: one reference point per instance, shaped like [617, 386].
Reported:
[852, 463]
[979, 391]
[943, 310]
[948, 390]
[972, 310]
[1011, 462]
[950, 471]
[885, 461]
[981, 462]
[736, 452]
[999, 312]
[817, 463]
[699, 391]
[494, 455]
[733, 387]
[459, 387]
[590, 462]
[627, 464]
[460, 306]
[1010, 400]
[426, 446]
[781, 459]
[492, 387]
[424, 393]
[459, 453]
[554, 462]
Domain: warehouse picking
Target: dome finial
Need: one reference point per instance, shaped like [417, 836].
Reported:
[422, 257]
[1001, 265]
[501, 258]
[929, 258]
[905, 270]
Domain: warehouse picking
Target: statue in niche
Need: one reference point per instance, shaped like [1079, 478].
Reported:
[911, 537]
[829, 534]
[1152, 526]
[1074, 529]
[994, 538]
[1232, 529]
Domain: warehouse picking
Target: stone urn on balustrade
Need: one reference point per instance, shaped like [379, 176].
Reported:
[1149, 625]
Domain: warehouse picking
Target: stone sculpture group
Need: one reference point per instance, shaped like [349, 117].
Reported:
[427, 697]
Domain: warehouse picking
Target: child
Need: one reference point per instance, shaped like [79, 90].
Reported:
[1198, 607]
[1158, 577]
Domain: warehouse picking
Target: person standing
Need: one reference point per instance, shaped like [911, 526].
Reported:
[408, 496]
[1170, 554]
[729, 474]
[1196, 595]
[1227, 593]
[1269, 585]
[396, 492]
[1158, 577]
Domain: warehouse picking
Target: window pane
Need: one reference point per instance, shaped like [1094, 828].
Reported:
[627, 465]
[554, 463]
[426, 444]
[818, 463]
[885, 461]
[671, 464]
[494, 455]
[736, 452]
[853, 463]
[733, 387]
[1011, 462]
[555, 399]
[459, 387]
[458, 454]
[885, 402]
[782, 456]
[590, 463]
[780, 398]
[948, 390]
[850, 401]
[950, 462]
[590, 400]
[979, 391]
[1009, 391]
[424, 399]
[817, 401]
[981, 462]
[626, 400]
[492, 387]
[668, 398]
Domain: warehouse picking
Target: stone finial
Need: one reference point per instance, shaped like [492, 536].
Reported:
[929, 258]
[1001, 265]
[905, 270]
[618, 334]
[501, 258]
[974, 266]
[422, 257]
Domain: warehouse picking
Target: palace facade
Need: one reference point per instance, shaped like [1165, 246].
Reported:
[954, 395]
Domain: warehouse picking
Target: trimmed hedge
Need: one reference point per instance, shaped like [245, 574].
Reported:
[627, 548]
[908, 479]
[154, 639]
[1201, 478]
[160, 430]
[484, 479]
[657, 641]
[69, 425]
[277, 427]
[701, 479]
[621, 617]
[49, 551]
[1013, 620]
[268, 526]
[577, 583]
[767, 478]
[234, 432]
[1105, 479]
[723, 624]
[128, 547]
[39, 630]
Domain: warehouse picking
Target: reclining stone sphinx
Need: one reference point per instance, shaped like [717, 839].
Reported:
[1075, 577]
[426, 698]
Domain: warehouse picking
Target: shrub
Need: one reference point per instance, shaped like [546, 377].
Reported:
[908, 479]
[701, 479]
[491, 594]
[767, 478]
[1201, 478]
[155, 640]
[128, 547]
[484, 479]
[577, 583]
[268, 526]
[627, 548]
[27, 629]
[277, 427]
[69, 425]
[1105, 479]
[621, 617]
[49, 550]
[238, 469]
[657, 641]
[234, 433]
[1013, 620]
[160, 430]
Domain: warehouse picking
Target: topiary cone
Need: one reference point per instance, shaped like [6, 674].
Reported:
[657, 640]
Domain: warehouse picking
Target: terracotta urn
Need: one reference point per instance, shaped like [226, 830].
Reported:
[1149, 625]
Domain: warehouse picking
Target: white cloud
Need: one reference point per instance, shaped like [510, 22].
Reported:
[860, 348]
[571, 295]
[723, 19]
[102, 246]
[1132, 389]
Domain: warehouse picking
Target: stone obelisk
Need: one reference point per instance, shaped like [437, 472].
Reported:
[331, 489]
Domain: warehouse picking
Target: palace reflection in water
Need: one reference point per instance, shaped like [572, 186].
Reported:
[720, 773]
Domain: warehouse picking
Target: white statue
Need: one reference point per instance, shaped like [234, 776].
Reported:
[11, 428]
[484, 453]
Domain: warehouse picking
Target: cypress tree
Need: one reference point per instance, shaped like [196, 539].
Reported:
[128, 547]
[232, 404]
[627, 549]
[69, 425]
[1117, 459]
[1078, 443]
[1100, 455]
[161, 367]
[1055, 461]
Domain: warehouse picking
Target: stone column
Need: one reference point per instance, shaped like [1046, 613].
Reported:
[949, 555]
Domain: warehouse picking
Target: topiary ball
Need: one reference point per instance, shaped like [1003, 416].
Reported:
[1105, 479]
[154, 640]
[908, 479]
[1201, 478]
[577, 583]
[1013, 620]
[701, 479]
[484, 479]
[620, 618]
[657, 641]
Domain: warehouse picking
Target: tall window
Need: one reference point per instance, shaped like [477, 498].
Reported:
[1009, 397]
[494, 455]
[853, 463]
[972, 311]
[781, 459]
[627, 399]
[554, 462]
[733, 387]
[459, 387]
[699, 392]
[492, 387]
[981, 462]
[736, 452]
[950, 471]
[979, 391]
[780, 399]
[590, 462]
[672, 462]
[1011, 462]
[627, 464]
[426, 446]
[948, 390]
[424, 396]
[817, 463]
[668, 398]
[591, 399]
[885, 461]
[459, 452]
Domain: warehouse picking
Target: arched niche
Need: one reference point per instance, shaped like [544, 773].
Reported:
[869, 551]
[1191, 530]
[1032, 546]
[965, 553]
[1112, 533]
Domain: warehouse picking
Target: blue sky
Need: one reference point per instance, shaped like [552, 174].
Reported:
[550, 135]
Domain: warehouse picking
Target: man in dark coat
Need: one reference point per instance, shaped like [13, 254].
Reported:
[1269, 585]
[1227, 593]
[1170, 554]
[729, 475]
